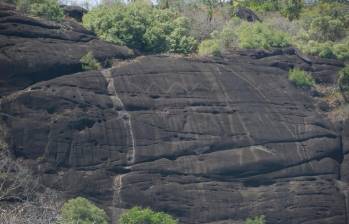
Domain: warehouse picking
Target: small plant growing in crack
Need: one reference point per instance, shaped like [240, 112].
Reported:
[89, 62]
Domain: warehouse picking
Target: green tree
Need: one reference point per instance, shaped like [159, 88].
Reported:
[141, 26]
[48, 9]
[180, 40]
[138, 215]
[82, 211]
[324, 28]
[211, 5]
[292, 9]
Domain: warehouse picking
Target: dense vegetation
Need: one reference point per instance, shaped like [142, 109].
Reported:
[320, 28]
[48, 9]
[211, 26]
[140, 26]
[82, 211]
[138, 215]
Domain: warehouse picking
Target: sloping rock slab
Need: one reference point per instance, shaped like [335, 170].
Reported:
[211, 140]
[33, 50]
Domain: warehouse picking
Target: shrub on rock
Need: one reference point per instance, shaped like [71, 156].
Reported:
[138, 215]
[210, 47]
[48, 9]
[256, 220]
[89, 62]
[82, 211]
[301, 78]
[343, 82]
[259, 35]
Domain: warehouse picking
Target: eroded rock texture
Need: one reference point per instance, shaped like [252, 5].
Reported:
[33, 50]
[212, 140]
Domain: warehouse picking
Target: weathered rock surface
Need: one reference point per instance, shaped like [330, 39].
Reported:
[247, 14]
[210, 140]
[75, 12]
[33, 50]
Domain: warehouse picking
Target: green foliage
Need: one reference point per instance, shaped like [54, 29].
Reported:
[141, 26]
[180, 40]
[259, 35]
[256, 220]
[300, 78]
[259, 5]
[324, 28]
[292, 9]
[48, 9]
[329, 49]
[139, 216]
[241, 34]
[82, 211]
[210, 47]
[343, 82]
[88, 62]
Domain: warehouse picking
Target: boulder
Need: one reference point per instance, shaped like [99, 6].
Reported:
[33, 50]
[208, 140]
[75, 12]
[247, 14]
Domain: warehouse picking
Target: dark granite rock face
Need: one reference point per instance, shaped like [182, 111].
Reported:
[247, 14]
[75, 12]
[210, 140]
[33, 50]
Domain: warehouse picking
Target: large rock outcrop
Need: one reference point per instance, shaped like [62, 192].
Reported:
[208, 140]
[33, 50]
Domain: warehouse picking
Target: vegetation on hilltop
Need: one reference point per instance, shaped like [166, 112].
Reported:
[49, 9]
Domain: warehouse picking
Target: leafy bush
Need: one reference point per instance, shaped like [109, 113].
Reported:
[329, 49]
[256, 220]
[259, 5]
[210, 47]
[258, 35]
[180, 40]
[292, 9]
[324, 28]
[88, 62]
[82, 211]
[141, 26]
[300, 78]
[48, 9]
[343, 82]
[341, 50]
[240, 34]
[138, 215]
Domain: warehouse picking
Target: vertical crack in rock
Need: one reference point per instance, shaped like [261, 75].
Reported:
[117, 200]
[125, 115]
[344, 189]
